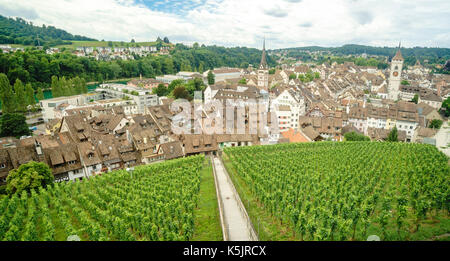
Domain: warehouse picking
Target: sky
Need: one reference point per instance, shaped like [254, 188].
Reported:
[283, 23]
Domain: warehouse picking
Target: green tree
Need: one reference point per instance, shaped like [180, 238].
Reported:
[415, 99]
[393, 135]
[435, 124]
[272, 71]
[29, 95]
[161, 90]
[243, 81]
[40, 94]
[353, 136]
[20, 98]
[14, 125]
[201, 68]
[56, 88]
[446, 107]
[292, 76]
[174, 84]
[404, 82]
[6, 95]
[211, 78]
[31, 175]
[180, 92]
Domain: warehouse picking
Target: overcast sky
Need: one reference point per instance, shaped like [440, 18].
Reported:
[284, 23]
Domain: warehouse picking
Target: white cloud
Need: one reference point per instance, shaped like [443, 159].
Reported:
[284, 23]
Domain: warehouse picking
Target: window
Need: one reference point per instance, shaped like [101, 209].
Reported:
[2, 166]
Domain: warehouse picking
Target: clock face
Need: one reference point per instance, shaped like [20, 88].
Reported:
[395, 74]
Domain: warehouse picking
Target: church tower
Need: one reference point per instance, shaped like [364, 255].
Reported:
[263, 70]
[395, 75]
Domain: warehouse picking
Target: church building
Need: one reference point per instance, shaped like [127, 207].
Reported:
[395, 75]
[263, 71]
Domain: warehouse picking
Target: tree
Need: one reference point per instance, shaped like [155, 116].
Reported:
[292, 76]
[166, 40]
[19, 96]
[211, 78]
[40, 94]
[110, 44]
[393, 135]
[435, 124]
[243, 81]
[14, 125]
[415, 99]
[404, 82]
[181, 93]
[272, 71]
[29, 95]
[353, 136]
[446, 107]
[56, 90]
[31, 175]
[6, 95]
[174, 84]
[133, 41]
[161, 90]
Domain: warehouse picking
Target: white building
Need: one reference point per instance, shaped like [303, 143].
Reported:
[295, 104]
[141, 97]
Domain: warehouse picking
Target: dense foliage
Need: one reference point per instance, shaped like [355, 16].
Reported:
[16, 98]
[37, 67]
[353, 136]
[155, 202]
[31, 175]
[446, 107]
[14, 125]
[347, 190]
[63, 87]
[19, 31]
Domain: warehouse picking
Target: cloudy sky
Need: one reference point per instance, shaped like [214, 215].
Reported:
[284, 23]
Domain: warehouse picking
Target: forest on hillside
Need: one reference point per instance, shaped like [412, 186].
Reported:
[36, 67]
[432, 55]
[20, 31]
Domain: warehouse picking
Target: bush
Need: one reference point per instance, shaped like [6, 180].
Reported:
[353, 136]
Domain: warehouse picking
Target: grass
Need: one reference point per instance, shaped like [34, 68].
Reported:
[270, 228]
[207, 220]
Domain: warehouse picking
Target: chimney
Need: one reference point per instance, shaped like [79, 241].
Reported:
[145, 140]
[38, 147]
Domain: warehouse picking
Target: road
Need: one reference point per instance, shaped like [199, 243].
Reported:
[443, 138]
[235, 216]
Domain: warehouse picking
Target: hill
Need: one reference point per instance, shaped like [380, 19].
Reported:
[19, 31]
[433, 55]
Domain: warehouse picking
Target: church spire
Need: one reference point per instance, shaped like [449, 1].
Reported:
[398, 56]
[263, 64]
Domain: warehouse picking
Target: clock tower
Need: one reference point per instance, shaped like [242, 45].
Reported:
[395, 75]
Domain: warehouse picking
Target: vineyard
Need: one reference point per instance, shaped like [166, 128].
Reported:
[154, 202]
[343, 191]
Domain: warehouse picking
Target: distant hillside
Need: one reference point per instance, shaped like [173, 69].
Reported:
[19, 31]
[433, 55]
[352, 49]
